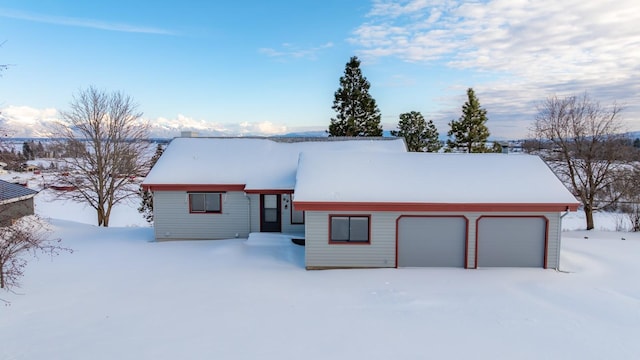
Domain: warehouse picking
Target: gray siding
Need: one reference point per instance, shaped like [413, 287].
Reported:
[255, 212]
[287, 226]
[382, 250]
[15, 210]
[240, 215]
[172, 220]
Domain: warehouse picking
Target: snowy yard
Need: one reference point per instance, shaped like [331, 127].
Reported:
[122, 296]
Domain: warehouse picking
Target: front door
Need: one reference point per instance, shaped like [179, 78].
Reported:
[270, 213]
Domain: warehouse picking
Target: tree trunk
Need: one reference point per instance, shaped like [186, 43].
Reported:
[1, 276]
[100, 212]
[106, 216]
[588, 212]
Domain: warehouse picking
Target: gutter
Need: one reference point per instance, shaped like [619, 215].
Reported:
[16, 199]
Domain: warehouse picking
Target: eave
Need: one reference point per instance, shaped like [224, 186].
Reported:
[434, 207]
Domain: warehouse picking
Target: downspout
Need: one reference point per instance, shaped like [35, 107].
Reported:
[249, 202]
[566, 212]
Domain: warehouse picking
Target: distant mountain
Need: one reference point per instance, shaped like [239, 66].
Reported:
[42, 127]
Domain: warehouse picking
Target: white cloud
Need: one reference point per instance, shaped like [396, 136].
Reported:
[261, 128]
[288, 51]
[79, 22]
[29, 115]
[535, 48]
[24, 121]
[165, 127]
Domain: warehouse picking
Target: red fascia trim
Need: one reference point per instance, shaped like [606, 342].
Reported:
[466, 233]
[392, 206]
[269, 191]
[193, 187]
[546, 232]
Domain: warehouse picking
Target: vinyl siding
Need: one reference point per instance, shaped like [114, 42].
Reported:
[255, 212]
[172, 220]
[15, 210]
[287, 226]
[382, 250]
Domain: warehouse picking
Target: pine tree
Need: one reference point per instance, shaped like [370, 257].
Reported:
[27, 151]
[357, 112]
[470, 132]
[146, 197]
[419, 134]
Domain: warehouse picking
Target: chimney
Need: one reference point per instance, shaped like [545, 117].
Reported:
[189, 134]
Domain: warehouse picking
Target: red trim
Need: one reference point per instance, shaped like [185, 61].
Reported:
[205, 212]
[466, 233]
[546, 232]
[193, 187]
[269, 191]
[368, 216]
[458, 207]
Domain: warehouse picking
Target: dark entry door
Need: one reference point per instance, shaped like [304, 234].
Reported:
[270, 213]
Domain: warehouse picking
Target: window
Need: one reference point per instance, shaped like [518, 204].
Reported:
[349, 229]
[205, 202]
[297, 217]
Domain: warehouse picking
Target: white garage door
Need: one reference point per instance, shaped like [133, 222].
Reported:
[511, 241]
[432, 241]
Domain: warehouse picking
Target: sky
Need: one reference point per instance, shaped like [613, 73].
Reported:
[270, 67]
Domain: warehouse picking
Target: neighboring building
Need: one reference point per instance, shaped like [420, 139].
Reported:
[16, 201]
[363, 203]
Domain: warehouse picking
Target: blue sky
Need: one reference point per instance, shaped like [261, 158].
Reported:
[272, 66]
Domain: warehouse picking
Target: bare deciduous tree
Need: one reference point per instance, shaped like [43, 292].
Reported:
[588, 148]
[29, 235]
[110, 142]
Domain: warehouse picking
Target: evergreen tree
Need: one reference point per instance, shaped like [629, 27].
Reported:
[419, 134]
[27, 151]
[146, 197]
[357, 112]
[470, 132]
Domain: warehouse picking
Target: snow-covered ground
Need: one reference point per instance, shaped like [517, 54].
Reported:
[120, 295]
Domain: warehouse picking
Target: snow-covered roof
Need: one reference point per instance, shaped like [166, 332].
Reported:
[13, 192]
[255, 163]
[423, 181]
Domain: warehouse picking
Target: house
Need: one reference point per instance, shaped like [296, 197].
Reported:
[220, 188]
[363, 203]
[16, 201]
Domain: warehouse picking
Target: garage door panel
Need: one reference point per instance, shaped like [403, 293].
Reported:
[511, 241]
[432, 241]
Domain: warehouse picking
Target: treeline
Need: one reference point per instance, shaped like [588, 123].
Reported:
[357, 114]
[32, 149]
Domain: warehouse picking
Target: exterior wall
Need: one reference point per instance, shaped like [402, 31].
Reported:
[382, 250]
[240, 215]
[172, 220]
[287, 226]
[15, 210]
[255, 212]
